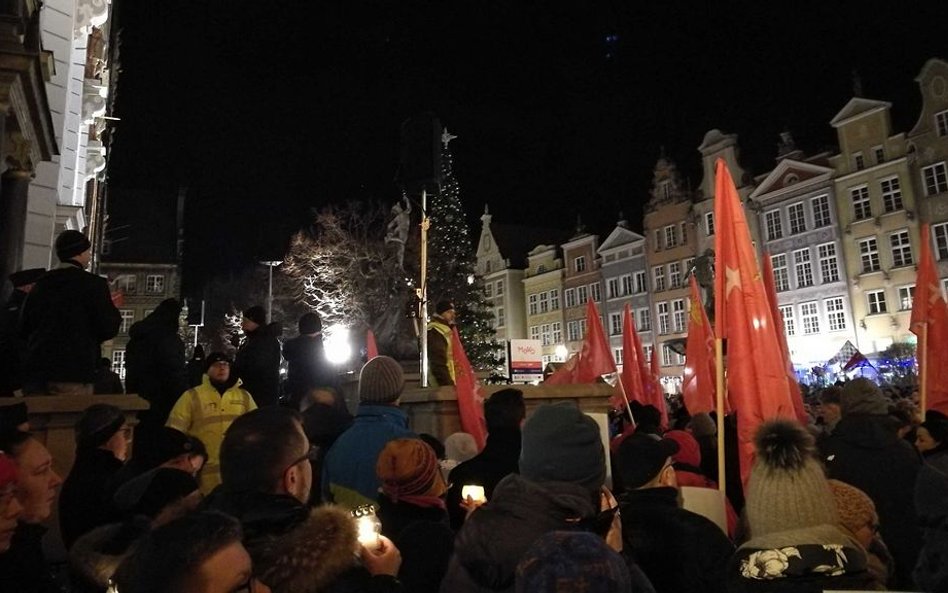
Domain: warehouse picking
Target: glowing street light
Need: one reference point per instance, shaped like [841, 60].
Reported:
[337, 345]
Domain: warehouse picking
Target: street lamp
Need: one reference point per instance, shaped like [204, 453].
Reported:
[271, 265]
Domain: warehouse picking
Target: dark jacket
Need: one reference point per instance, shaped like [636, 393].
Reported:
[495, 536]
[66, 317]
[23, 568]
[423, 537]
[258, 365]
[107, 382]
[295, 547]
[307, 367]
[323, 424]
[94, 557]
[155, 363]
[679, 551]
[85, 501]
[499, 459]
[931, 503]
[866, 452]
[12, 345]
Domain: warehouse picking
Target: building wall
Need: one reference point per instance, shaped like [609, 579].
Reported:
[582, 280]
[623, 258]
[544, 274]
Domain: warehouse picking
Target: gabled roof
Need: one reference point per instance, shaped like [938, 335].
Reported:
[858, 107]
[778, 178]
[931, 63]
[515, 241]
[618, 237]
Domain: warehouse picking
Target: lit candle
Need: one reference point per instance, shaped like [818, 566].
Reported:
[368, 526]
[474, 492]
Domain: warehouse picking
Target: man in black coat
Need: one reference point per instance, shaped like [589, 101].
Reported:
[11, 345]
[679, 551]
[154, 363]
[866, 452]
[504, 413]
[66, 317]
[257, 363]
[307, 366]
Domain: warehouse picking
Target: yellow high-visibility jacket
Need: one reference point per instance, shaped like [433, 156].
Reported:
[440, 353]
[206, 414]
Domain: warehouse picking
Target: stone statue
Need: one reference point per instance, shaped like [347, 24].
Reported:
[397, 230]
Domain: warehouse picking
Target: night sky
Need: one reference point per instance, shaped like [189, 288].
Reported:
[264, 109]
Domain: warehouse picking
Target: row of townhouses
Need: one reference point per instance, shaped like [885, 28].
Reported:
[841, 230]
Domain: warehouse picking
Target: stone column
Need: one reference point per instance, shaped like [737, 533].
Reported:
[14, 191]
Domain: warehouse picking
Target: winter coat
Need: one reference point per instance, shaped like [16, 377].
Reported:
[295, 548]
[495, 536]
[307, 367]
[94, 557]
[23, 568]
[499, 459]
[257, 364]
[107, 382]
[931, 503]
[85, 501]
[424, 538]
[66, 317]
[155, 363]
[807, 560]
[679, 551]
[860, 446]
[323, 424]
[349, 476]
[440, 356]
[12, 346]
[206, 413]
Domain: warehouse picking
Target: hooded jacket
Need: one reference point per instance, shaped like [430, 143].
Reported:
[859, 447]
[154, 360]
[495, 537]
[499, 459]
[258, 364]
[65, 319]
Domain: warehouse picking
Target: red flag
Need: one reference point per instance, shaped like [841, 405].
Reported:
[593, 361]
[770, 285]
[566, 374]
[633, 379]
[930, 310]
[654, 390]
[698, 386]
[756, 379]
[371, 348]
[470, 401]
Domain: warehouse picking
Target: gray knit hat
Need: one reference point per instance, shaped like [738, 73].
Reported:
[862, 396]
[561, 444]
[787, 488]
[381, 381]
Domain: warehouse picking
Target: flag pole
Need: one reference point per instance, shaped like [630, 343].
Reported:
[923, 371]
[625, 397]
[719, 393]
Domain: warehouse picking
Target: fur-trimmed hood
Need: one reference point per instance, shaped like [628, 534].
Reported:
[312, 555]
[95, 556]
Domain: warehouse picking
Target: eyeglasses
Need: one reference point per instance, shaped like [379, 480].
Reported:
[311, 455]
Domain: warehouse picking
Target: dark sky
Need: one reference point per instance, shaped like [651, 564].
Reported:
[561, 108]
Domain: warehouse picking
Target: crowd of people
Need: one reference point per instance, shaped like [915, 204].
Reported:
[221, 486]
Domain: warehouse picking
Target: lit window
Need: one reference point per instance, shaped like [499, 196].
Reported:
[128, 318]
[788, 322]
[835, 314]
[118, 363]
[810, 318]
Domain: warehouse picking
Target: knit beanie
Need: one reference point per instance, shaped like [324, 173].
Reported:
[571, 561]
[443, 306]
[214, 357]
[409, 467]
[862, 396]
[787, 487]
[97, 425]
[856, 509]
[257, 314]
[71, 243]
[151, 492]
[702, 425]
[381, 381]
[460, 447]
[310, 323]
[561, 444]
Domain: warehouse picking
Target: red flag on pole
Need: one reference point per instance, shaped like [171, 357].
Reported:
[697, 387]
[593, 361]
[633, 367]
[371, 348]
[770, 285]
[654, 390]
[757, 385]
[930, 323]
[470, 401]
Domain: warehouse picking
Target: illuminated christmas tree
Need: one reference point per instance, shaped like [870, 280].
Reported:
[451, 265]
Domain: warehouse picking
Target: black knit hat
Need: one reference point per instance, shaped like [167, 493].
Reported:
[216, 357]
[28, 276]
[97, 425]
[71, 243]
[443, 306]
[310, 324]
[563, 561]
[561, 444]
[257, 314]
